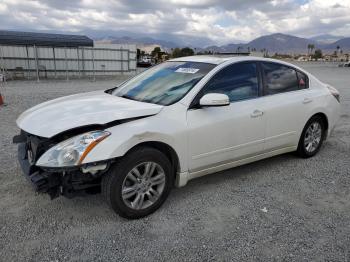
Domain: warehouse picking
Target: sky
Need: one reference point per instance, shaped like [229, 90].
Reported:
[226, 21]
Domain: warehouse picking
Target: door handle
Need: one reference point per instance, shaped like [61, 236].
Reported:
[307, 100]
[257, 113]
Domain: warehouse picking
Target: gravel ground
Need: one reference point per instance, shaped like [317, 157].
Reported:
[279, 209]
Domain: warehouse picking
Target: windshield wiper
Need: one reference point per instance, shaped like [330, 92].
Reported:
[128, 97]
[110, 90]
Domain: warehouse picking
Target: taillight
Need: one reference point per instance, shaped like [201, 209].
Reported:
[334, 92]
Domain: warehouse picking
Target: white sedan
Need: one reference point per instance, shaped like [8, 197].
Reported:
[176, 121]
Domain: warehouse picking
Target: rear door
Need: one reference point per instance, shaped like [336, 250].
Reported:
[286, 97]
[219, 135]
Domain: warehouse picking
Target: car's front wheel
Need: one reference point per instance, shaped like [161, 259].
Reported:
[139, 183]
[312, 137]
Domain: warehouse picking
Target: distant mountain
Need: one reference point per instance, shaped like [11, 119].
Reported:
[344, 44]
[214, 48]
[138, 41]
[326, 38]
[281, 43]
[167, 40]
[230, 48]
[233, 47]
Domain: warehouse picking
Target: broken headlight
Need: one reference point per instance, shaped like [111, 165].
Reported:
[72, 152]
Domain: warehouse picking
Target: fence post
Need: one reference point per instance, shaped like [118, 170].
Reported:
[83, 61]
[65, 58]
[2, 68]
[93, 63]
[54, 61]
[122, 62]
[78, 62]
[128, 60]
[36, 63]
[28, 65]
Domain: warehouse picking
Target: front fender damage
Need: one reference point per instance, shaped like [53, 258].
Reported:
[67, 181]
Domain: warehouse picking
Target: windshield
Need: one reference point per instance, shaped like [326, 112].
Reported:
[165, 83]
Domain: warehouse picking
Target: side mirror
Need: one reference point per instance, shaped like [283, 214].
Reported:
[214, 99]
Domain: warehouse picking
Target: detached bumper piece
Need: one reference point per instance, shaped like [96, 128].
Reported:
[68, 183]
[41, 181]
[46, 183]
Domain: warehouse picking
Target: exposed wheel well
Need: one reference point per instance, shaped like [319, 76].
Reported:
[167, 150]
[325, 121]
[324, 117]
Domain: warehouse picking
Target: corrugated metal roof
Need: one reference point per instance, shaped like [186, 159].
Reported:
[43, 39]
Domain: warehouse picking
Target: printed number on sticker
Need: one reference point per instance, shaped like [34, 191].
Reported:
[187, 70]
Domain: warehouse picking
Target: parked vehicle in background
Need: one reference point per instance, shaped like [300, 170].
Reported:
[347, 64]
[176, 121]
[145, 61]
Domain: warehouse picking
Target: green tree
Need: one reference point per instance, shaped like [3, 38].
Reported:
[310, 48]
[156, 52]
[338, 47]
[176, 52]
[318, 54]
[186, 51]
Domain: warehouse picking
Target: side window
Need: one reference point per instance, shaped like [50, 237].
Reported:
[238, 81]
[302, 80]
[279, 78]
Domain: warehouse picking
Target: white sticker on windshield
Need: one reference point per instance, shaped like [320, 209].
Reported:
[187, 70]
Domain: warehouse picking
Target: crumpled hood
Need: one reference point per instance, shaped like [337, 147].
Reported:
[61, 114]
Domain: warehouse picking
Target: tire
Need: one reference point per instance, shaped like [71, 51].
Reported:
[121, 177]
[304, 149]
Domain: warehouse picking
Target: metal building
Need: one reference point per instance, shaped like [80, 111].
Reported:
[38, 55]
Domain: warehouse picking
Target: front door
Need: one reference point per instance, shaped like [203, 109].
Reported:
[219, 135]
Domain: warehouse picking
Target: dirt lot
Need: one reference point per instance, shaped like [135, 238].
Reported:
[283, 208]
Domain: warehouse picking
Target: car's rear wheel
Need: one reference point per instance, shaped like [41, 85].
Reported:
[312, 137]
[139, 183]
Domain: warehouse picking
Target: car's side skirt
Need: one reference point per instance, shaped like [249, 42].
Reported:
[184, 177]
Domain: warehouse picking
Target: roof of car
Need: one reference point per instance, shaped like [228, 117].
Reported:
[217, 59]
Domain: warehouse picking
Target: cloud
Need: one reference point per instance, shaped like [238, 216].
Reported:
[223, 21]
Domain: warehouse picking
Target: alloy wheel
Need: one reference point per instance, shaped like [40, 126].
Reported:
[313, 137]
[143, 185]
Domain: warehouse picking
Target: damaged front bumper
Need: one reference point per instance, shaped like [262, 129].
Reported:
[69, 182]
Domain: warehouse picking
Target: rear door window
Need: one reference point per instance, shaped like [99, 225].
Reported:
[279, 78]
[302, 80]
